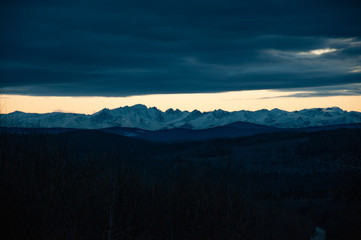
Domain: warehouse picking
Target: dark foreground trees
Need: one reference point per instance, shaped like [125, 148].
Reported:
[54, 187]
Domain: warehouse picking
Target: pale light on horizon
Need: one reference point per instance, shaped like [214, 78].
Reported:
[228, 101]
[318, 52]
[356, 69]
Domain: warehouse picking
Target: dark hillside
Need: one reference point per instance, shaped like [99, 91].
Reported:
[88, 184]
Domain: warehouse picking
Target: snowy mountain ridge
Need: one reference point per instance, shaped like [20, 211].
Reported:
[142, 117]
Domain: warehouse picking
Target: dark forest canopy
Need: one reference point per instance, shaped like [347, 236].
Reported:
[94, 185]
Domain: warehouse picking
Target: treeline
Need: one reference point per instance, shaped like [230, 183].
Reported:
[92, 185]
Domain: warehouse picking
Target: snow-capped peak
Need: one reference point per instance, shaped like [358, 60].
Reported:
[140, 116]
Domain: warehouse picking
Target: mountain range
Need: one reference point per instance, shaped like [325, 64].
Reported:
[142, 117]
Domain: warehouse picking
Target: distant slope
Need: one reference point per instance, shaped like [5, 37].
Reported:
[233, 130]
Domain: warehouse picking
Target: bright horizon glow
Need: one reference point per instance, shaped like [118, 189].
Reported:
[356, 69]
[228, 101]
[318, 52]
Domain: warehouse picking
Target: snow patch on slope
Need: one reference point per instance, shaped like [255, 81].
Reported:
[142, 117]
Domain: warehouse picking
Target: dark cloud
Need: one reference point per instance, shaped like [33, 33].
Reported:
[119, 48]
[326, 91]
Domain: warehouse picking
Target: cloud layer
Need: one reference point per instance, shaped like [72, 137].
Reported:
[121, 48]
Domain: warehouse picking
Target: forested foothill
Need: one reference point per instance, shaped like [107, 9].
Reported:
[89, 184]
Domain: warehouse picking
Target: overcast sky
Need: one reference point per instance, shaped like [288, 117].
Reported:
[124, 48]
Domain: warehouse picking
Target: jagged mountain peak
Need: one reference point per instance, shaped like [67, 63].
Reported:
[277, 110]
[140, 116]
[137, 107]
[172, 111]
[101, 111]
